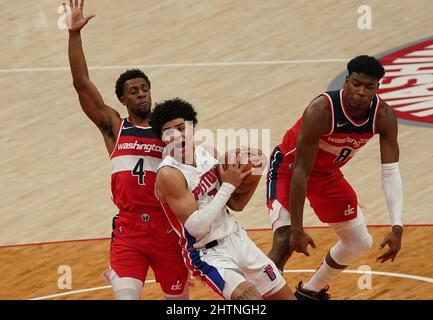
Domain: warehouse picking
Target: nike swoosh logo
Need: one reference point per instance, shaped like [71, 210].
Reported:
[341, 124]
[169, 230]
[126, 128]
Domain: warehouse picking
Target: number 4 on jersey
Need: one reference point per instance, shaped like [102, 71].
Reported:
[139, 171]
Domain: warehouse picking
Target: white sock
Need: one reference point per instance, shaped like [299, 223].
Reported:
[321, 277]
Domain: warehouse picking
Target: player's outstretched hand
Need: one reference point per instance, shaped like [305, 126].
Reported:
[299, 241]
[393, 240]
[75, 19]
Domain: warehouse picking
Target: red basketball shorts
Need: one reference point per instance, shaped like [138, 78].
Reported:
[143, 240]
[330, 195]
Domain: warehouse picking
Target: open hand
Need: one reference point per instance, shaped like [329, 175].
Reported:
[75, 19]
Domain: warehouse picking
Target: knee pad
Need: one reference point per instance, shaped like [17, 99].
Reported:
[354, 240]
[125, 288]
[344, 253]
[127, 294]
[360, 244]
[366, 243]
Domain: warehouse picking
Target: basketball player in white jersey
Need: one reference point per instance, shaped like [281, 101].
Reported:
[215, 248]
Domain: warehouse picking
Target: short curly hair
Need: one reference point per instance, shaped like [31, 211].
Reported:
[169, 110]
[128, 75]
[367, 65]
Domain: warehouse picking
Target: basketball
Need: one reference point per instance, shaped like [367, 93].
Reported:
[254, 159]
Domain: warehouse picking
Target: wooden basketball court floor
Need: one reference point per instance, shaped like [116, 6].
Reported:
[243, 64]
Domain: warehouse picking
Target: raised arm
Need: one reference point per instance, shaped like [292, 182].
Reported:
[391, 180]
[316, 122]
[105, 118]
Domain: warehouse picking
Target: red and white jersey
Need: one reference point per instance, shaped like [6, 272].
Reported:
[134, 161]
[345, 138]
[202, 181]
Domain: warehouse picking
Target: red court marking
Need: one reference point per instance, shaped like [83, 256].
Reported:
[53, 242]
[369, 225]
[252, 229]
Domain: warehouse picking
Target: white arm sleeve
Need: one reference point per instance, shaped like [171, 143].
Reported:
[200, 221]
[393, 188]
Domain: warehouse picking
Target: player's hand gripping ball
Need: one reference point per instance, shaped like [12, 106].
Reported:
[254, 160]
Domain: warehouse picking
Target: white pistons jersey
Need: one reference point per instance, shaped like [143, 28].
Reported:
[234, 258]
[203, 183]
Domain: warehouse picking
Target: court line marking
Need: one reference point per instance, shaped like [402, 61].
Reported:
[247, 229]
[179, 65]
[72, 292]
[378, 273]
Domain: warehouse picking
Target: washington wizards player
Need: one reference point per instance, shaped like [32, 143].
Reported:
[142, 236]
[307, 164]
